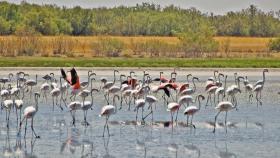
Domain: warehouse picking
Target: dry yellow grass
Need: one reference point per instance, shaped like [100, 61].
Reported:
[83, 44]
[245, 44]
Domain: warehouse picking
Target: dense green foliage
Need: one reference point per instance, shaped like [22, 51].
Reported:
[137, 62]
[144, 19]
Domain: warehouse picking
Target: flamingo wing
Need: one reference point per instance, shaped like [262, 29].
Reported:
[64, 76]
[74, 76]
[166, 91]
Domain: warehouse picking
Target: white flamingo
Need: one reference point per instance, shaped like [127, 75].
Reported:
[7, 104]
[31, 83]
[191, 110]
[29, 113]
[173, 107]
[107, 111]
[86, 105]
[74, 106]
[18, 106]
[259, 87]
[223, 106]
[139, 103]
[150, 100]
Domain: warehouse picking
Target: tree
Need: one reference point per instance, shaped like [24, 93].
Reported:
[5, 26]
[198, 41]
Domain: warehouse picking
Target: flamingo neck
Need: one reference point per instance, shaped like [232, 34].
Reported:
[194, 86]
[91, 98]
[263, 76]
[60, 82]
[199, 104]
[114, 77]
[225, 86]
[36, 103]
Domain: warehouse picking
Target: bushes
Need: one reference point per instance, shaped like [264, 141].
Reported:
[197, 42]
[274, 45]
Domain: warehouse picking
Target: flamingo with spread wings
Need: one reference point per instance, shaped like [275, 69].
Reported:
[73, 80]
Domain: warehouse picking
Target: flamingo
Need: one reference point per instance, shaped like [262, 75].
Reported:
[221, 90]
[189, 91]
[259, 87]
[186, 99]
[74, 106]
[85, 84]
[150, 100]
[139, 103]
[219, 83]
[87, 105]
[108, 85]
[5, 93]
[15, 90]
[73, 80]
[31, 83]
[18, 105]
[161, 79]
[211, 91]
[223, 106]
[248, 88]
[261, 82]
[173, 107]
[55, 93]
[6, 79]
[44, 88]
[85, 93]
[231, 91]
[191, 110]
[29, 113]
[107, 111]
[8, 105]
[112, 90]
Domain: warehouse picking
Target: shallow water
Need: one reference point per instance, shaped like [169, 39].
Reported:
[253, 132]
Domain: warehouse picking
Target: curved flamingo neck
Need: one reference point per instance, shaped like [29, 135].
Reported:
[263, 76]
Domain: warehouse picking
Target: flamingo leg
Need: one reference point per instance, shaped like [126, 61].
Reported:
[25, 128]
[226, 121]
[207, 100]
[171, 113]
[137, 114]
[216, 121]
[142, 113]
[17, 116]
[177, 115]
[8, 118]
[36, 136]
[53, 102]
[192, 122]
[105, 125]
[187, 120]
[257, 99]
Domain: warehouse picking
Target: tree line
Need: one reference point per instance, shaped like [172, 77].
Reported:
[142, 19]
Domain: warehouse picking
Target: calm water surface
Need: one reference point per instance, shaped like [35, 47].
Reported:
[254, 132]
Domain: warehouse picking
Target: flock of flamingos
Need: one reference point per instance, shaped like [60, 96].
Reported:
[128, 91]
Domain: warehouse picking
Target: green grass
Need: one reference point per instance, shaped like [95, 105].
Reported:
[137, 62]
